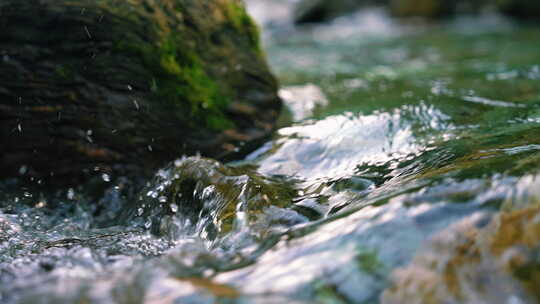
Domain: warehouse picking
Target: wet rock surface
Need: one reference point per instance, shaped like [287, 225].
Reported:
[421, 166]
[472, 262]
[212, 200]
[121, 88]
[314, 11]
[520, 8]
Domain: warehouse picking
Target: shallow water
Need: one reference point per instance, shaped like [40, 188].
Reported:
[403, 131]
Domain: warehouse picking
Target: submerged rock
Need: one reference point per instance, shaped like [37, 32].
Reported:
[520, 8]
[436, 8]
[93, 87]
[199, 196]
[309, 11]
[422, 8]
[470, 263]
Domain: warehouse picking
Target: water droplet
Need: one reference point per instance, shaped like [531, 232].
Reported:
[40, 204]
[148, 224]
[162, 199]
[106, 177]
[140, 211]
[152, 194]
[23, 170]
[87, 32]
[207, 192]
[71, 194]
[174, 208]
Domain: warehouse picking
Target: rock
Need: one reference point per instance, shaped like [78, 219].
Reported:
[520, 8]
[94, 87]
[320, 10]
[475, 263]
[422, 8]
[310, 11]
[201, 196]
[434, 9]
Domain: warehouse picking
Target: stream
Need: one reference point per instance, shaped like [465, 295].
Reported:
[396, 135]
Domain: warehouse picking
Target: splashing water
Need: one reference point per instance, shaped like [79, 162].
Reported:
[406, 138]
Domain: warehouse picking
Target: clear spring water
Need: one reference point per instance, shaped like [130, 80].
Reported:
[397, 133]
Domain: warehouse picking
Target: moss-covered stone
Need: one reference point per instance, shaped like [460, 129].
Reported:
[133, 84]
[470, 263]
[210, 199]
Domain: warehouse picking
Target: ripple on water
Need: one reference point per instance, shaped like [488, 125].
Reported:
[332, 206]
[334, 147]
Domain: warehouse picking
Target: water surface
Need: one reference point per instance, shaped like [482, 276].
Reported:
[396, 133]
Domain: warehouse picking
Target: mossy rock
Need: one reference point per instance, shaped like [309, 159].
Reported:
[475, 262]
[209, 199]
[92, 87]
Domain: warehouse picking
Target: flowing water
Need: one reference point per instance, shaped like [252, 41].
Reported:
[396, 134]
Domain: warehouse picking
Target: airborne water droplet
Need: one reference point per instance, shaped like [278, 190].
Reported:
[152, 194]
[148, 223]
[71, 194]
[162, 199]
[140, 211]
[106, 177]
[174, 208]
[22, 170]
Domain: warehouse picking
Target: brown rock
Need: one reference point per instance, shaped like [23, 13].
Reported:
[122, 87]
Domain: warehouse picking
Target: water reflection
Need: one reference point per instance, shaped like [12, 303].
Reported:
[398, 136]
[332, 148]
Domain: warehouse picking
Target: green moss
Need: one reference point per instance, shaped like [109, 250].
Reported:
[63, 72]
[328, 293]
[179, 80]
[182, 78]
[242, 22]
[178, 76]
[369, 262]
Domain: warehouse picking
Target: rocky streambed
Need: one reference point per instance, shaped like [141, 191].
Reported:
[407, 171]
